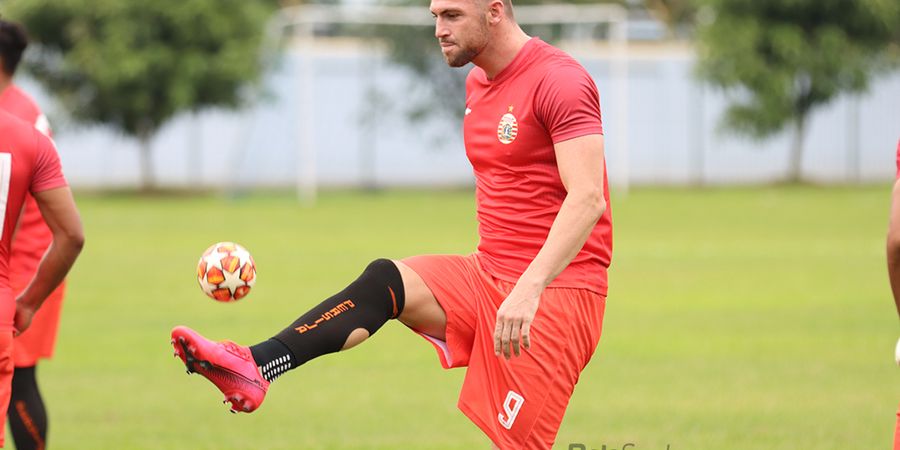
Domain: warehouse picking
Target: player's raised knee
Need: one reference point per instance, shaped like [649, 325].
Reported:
[383, 276]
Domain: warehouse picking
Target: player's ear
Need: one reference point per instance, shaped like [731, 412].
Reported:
[496, 10]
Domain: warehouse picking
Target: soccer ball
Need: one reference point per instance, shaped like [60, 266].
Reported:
[226, 272]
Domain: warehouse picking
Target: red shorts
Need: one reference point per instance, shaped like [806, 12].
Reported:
[518, 403]
[39, 340]
[897, 432]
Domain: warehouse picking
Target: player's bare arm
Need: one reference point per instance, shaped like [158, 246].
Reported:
[893, 253]
[893, 245]
[59, 211]
[580, 162]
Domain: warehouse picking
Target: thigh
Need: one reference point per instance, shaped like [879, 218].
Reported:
[520, 403]
[447, 315]
[421, 310]
[6, 374]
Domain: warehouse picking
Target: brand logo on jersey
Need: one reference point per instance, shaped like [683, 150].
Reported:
[508, 128]
[468, 111]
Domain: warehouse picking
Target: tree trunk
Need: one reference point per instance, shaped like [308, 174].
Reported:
[147, 182]
[853, 144]
[795, 164]
[195, 153]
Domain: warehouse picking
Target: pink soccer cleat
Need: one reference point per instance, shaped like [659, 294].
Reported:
[229, 366]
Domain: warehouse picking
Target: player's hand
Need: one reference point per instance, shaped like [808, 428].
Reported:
[514, 318]
[23, 317]
[897, 353]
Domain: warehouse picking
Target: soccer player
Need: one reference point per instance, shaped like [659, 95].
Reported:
[27, 416]
[29, 164]
[893, 262]
[524, 311]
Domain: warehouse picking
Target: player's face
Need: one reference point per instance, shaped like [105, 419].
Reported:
[461, 27]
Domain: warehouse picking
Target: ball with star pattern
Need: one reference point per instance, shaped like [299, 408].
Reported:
[226, 272]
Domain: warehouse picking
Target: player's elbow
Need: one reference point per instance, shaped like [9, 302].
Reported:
[71, 240]
[78, 242]
[893, 243]
[592, 201]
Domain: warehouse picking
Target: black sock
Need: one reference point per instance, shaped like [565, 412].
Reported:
[26, 414]
[374, 298]
[273, 358]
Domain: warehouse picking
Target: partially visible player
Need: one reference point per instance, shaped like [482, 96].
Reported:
[27, 416]
[29, 164]
[893, 262]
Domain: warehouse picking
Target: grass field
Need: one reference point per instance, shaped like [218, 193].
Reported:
[737, 319]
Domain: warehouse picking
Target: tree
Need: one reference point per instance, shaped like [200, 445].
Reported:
[676, 15]
[133, 65]
[783, 59]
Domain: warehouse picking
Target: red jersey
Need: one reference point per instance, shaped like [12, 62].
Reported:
[512, 122]
[33, 235]
[28, 163]
[16, 102]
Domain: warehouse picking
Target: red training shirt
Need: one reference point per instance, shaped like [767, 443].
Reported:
[28, 163]
[541, 98]
[33, 236]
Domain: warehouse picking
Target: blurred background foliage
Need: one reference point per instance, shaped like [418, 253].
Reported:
[778, 59]
[781, 59]
[133, 65]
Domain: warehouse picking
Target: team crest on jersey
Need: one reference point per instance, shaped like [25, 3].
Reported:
[508, 128]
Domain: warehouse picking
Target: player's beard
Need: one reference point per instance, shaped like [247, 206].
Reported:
[470, 49]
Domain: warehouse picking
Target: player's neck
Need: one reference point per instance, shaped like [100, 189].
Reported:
[5, 81]
[502, 50]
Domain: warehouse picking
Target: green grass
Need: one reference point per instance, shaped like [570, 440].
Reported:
[737, 319]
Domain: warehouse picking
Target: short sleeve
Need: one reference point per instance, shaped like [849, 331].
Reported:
[568, 104]
[43, 125]
[47, 168]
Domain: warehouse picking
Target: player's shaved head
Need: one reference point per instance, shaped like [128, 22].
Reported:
[13, 41]
[507, 6]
